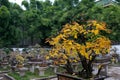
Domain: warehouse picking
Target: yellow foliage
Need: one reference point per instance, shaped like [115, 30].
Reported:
[76, 39]
[19, 58]
[96, 32]
[47, 57]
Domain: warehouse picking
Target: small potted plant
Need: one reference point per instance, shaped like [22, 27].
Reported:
[42, 67]
[81, 43]
[33, 53]
[4, 62]
[20, 60]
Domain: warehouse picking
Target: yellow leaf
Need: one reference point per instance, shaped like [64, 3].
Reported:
[75, 36]
[47, 57]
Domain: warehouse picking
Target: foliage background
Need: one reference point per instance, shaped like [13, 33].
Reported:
[40, 20]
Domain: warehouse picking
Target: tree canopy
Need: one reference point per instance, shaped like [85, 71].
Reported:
[43, 19]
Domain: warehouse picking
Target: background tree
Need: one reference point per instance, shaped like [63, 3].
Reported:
[42, 19]
[4, 26]
[110, 16]
[5, 3]
[15, 24]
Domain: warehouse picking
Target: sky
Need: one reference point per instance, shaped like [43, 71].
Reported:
[19, 1]
[16, 1]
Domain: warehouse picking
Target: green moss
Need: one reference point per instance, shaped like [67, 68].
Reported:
[18, 77]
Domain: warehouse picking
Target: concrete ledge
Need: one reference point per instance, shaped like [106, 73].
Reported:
[9, 77]
[45, 78]
[4, 72]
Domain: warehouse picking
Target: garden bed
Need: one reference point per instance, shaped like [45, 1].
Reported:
[29, 75]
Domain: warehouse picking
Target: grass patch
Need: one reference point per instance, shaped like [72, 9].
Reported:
[118, 63]
[29, 75]
[5, 69]
[16, 76]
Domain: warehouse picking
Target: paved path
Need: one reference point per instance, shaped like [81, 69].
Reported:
[114, 73]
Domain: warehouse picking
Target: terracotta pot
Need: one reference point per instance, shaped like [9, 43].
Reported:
[35, 60]
[19, 66]
[43, 65]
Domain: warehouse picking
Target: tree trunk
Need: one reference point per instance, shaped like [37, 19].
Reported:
[87, 67]
[68, 67]
[32, 38]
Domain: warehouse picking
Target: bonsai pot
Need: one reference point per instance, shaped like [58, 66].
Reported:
[19, 66]
[4, 65]
[63, 76]
[102, 60]
[35, 60]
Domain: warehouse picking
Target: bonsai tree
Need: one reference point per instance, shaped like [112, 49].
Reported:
[20, 60]
[82, 43]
